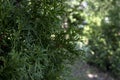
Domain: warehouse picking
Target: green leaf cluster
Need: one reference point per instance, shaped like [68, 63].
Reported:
[38, 45]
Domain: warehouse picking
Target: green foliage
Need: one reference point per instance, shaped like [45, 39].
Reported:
[100, 31]
[104, 36]
[38, 46]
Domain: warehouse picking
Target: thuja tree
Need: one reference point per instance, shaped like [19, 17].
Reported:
[34, 44]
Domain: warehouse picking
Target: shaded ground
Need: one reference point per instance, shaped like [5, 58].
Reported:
[82, 71]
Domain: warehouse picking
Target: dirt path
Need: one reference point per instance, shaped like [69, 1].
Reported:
[82, 71]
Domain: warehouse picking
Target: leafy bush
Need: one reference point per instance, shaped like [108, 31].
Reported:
[38, 46]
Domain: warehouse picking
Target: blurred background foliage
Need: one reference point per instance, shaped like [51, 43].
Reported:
[39, 37]
[99, 23]
[102, 34]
